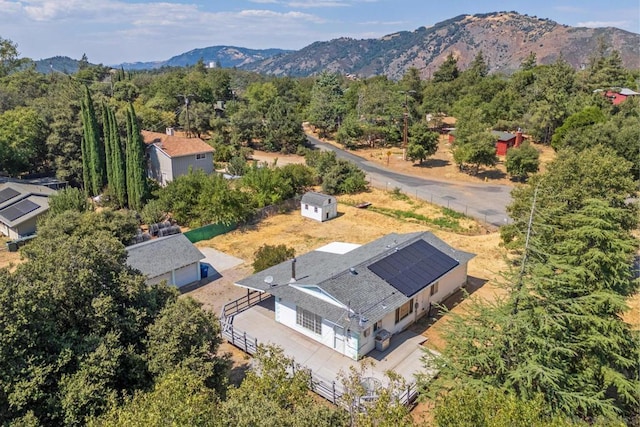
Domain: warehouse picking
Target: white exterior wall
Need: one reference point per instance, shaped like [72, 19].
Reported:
[450, 283]
[346, 345]
[356, 345]
[26, 228]
[309, 211]
[158, 279]
[187, 274]
[4, 229]
[324, 213]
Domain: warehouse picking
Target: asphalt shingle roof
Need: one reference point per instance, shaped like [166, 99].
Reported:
[163, 255]
[347, 279]
[176, 146]
[315, 199]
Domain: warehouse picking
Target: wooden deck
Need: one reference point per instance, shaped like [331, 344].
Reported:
[250, 321]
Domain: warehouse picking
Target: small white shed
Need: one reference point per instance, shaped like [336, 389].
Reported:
[318, 206]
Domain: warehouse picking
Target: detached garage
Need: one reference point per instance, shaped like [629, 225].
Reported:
[171, 258]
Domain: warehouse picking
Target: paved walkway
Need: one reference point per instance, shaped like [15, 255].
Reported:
[403, 355]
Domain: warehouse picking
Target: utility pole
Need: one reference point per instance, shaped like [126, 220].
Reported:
[186, 106]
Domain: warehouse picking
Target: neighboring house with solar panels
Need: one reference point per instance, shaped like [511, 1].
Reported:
[20, 207]
[170, 156]
[345, 295]
[318, 206]
[171, 258]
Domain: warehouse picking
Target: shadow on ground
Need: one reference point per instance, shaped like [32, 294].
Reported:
[212, 274]
[422, 324]
[432, 163]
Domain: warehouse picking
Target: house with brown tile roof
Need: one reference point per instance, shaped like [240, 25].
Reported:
[170, 156]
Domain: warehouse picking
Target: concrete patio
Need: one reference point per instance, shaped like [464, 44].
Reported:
[403, 355]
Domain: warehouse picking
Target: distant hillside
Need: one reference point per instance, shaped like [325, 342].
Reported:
[225, 56]
[505, 39]
[57, 64]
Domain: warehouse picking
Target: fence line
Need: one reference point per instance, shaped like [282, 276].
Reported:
[490, 219]
[208, 232]
[283, 206]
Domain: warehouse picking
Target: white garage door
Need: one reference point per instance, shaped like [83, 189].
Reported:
[186, 275]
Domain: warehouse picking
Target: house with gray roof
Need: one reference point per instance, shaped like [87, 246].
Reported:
[318, 206]
[20, 207]
[346, 296]
[172, 258]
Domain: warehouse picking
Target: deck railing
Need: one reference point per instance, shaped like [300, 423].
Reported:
[241, 304]
[327, 389]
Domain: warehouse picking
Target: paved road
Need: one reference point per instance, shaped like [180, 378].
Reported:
[484, 201]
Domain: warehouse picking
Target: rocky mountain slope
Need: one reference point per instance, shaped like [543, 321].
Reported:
[505, 39]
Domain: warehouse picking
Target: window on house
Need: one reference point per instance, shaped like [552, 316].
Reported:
[315, 209]
[434, 289]
[404, 310]
[201, 156]
[377, 325]
[306, 207]
[309, 320]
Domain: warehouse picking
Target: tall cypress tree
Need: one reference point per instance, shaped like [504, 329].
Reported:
[93, 147]
[106, 138]
[135, 163]
[117, 161]
[86, 170]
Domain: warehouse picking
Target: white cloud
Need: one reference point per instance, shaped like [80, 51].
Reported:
[599, 24]
[309, 4]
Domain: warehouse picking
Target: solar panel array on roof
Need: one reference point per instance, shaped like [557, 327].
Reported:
[412, 268]
[19, 209]
[7, 193]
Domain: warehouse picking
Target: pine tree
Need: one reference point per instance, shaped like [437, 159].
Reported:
[559, 332]
[135, 163]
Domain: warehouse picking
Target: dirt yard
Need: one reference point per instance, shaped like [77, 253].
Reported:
[441, 165]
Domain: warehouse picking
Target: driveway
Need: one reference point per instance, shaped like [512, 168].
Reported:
[218, 261]
[484, 202]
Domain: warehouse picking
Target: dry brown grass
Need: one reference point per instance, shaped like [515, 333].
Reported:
[352, 225]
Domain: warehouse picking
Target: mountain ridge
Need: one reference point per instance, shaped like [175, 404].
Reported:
[505, 39]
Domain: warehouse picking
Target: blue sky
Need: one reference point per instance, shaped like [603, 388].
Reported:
[114, 31]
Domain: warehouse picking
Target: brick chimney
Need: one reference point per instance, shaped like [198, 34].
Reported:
[518, 138]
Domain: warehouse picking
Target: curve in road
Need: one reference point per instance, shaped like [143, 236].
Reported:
[485, 202]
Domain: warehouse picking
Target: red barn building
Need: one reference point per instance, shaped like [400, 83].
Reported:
[505, 140]
[618, 96]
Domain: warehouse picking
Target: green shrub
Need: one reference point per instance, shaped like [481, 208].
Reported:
[268, 255]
